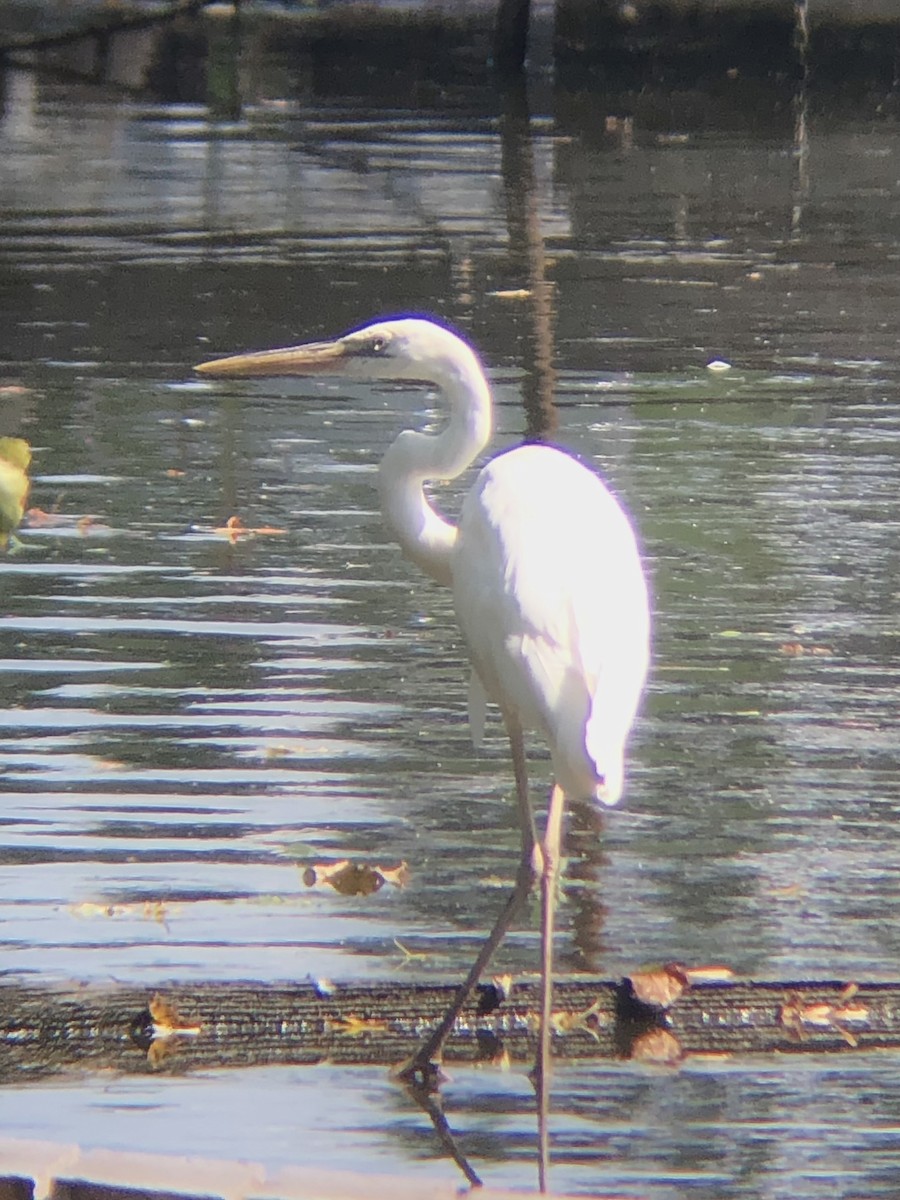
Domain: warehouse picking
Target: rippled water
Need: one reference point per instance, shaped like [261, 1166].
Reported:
[189, 720]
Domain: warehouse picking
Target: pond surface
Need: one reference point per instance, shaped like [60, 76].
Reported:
[191, 718]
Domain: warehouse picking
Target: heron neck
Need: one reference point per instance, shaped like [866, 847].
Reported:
[414, 459]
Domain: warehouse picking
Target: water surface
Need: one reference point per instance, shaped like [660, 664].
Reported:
[190, 719]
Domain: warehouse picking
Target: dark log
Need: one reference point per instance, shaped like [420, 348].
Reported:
[184, 1026]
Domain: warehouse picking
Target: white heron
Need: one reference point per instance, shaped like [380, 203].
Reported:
[548, 588]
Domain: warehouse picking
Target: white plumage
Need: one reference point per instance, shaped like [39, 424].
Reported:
[551, 599]
[548, 589]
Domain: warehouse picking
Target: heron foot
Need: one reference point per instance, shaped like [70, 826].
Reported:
[420, 1073]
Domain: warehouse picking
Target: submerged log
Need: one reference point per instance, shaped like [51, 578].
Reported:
[661, 1016]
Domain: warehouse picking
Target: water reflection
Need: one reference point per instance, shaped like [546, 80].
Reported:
[190, 718]
[523, 218]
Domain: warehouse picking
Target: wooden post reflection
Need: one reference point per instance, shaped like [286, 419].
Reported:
[801, 127]
[528, 256]
[511, 36]
[223, 85]
[541, 419]
[586, 862]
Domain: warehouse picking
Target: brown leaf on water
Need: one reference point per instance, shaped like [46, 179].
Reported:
[589, 1021]
[162, 1048]
[170, 1030]
[277, 752]
[151, 910]
[659, 986]
[158, 911]
[797, 1017]
[354, 879]
[796, 649]
[91, 908]
[168, 1020]
[357, 879]
[175, 473]
[85, 523]
[657, 1046]
[36, 517]
[232, 529]
[235, 528]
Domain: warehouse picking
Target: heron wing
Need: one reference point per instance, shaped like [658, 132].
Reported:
[551, 598]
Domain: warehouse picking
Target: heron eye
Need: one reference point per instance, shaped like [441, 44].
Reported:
[378, 345]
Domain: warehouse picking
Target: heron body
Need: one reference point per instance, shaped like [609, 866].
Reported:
[550, 596]
[548, 588]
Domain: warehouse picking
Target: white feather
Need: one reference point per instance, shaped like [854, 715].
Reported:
[554, 609]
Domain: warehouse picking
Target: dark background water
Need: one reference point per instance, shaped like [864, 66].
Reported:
[187, 719]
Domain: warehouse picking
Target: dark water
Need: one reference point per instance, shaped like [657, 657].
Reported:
[187, 719]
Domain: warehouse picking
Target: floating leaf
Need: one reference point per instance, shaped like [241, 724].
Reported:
[89, 908]
[232, 529]
[151, 910]
[168, 1020]
[158, 911]
[797, 648]
[588, 1021]
[797, 1016]
[235, 528]
[657, 1046]
[169, 1029]
[37, 517]
[85, 523]
[355, 879]
[659, 986]
[160, 1049]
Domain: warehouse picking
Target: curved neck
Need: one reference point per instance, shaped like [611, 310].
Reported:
[415, 458]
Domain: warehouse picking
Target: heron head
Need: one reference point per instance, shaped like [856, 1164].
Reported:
[410, 348]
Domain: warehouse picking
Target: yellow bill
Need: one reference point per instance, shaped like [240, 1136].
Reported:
[292, 360]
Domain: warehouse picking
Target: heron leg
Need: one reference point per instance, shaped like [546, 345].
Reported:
[420, 1068]
[550, 854]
